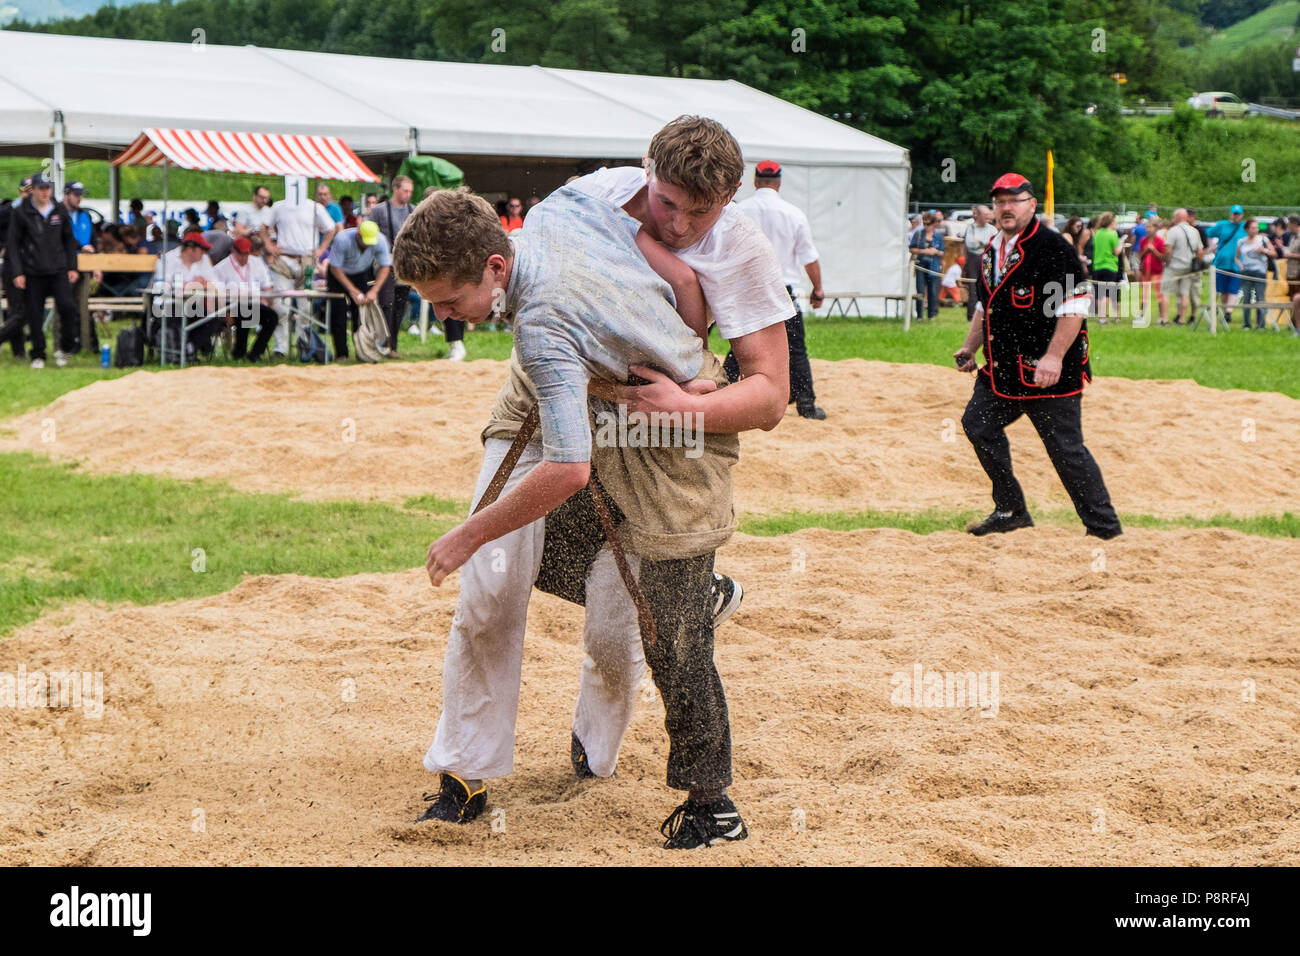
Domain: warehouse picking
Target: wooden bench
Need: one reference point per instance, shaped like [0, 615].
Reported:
[88, 262]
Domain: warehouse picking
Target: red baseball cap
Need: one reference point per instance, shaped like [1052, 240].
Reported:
[243, 244]
[1012, 183]
[768, 169]
[195, 238]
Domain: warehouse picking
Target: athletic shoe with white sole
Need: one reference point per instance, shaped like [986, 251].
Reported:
[456, 351]
[38, 363]
[453, 802]
[727, 595]
[60, 359]
[693, 825]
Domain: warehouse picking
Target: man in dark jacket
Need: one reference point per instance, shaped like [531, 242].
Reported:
[13, 328]
[1030, 320]
[43, 251]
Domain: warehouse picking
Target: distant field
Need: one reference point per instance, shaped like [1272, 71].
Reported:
[1271, 23]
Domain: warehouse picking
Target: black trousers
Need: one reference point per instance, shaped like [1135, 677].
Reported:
[266, 321]
[341, 311]
[14, 328]
[1057, 421]
[681, 659]
[453, 330]
[801, 381]
[39, 287]
[971, 270]
[394, 299]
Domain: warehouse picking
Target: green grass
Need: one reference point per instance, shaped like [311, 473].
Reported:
[927, 522]
[67, 536]
[1271, 23]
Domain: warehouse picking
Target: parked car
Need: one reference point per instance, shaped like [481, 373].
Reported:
[1219, 104]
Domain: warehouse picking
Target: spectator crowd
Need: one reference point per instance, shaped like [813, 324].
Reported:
[236, 272]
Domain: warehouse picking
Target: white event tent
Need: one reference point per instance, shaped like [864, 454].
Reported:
[515, 129]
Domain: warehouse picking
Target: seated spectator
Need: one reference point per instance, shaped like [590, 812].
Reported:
[184, 285]
[123, 284]
[218, 243]
[153, 245]
[244, 278]
[512, 220]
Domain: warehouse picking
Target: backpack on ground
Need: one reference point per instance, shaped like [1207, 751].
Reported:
[311, 347]
[129, 352]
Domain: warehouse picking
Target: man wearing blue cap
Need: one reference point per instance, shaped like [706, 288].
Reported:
[1224, 236]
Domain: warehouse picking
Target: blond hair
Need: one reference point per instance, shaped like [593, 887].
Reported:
[1105, 220]
[698, 155]
[450, 235]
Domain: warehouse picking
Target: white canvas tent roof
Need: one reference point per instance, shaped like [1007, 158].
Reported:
[509, 127]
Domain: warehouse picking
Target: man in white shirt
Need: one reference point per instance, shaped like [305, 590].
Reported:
[185, 285]
[293, 252]
[740, 278]
[786, 227]
[978, 234]
[245, 280]
[251, 223]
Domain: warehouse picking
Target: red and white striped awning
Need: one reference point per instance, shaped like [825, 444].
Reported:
[277, 154]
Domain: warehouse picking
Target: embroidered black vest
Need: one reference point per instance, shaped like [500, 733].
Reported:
[1038, 274]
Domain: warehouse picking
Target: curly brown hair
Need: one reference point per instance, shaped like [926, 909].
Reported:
[450, 235]
[698, 155]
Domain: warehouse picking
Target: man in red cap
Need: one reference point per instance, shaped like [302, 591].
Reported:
[182, 280]
[1030, 321]
[246, 280]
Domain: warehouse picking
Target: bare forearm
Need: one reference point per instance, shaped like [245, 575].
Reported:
[543, 490]
[756, 401]
[814, 270]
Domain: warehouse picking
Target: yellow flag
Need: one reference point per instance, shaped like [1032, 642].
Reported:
[1049, 197]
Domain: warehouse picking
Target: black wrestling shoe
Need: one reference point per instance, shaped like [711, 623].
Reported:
[1000, 521]
[578, 757]
[811, 411]
[693, 825]
[1104, 535]
[453, 802]
[726, 595]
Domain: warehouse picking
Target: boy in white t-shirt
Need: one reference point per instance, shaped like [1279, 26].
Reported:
[740, 278]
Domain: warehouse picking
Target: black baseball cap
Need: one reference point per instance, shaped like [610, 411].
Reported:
[74, 187]
[39, 180]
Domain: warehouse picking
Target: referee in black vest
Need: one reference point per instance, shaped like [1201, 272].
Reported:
[1031, 322]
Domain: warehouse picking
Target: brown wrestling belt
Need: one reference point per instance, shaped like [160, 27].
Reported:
[643, 615]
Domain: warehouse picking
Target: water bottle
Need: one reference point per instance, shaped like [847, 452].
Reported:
[105, 355]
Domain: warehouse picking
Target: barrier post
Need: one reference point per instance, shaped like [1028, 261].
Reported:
[911, 291]
[1214, 301]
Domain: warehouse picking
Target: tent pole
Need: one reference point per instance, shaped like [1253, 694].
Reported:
[58, 154]
[164, 222]
[115, 195]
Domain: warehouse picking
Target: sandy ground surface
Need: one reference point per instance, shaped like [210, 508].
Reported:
[1145, 714]
[893, 440]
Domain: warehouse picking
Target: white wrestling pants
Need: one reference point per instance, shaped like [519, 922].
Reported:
[475, 738]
